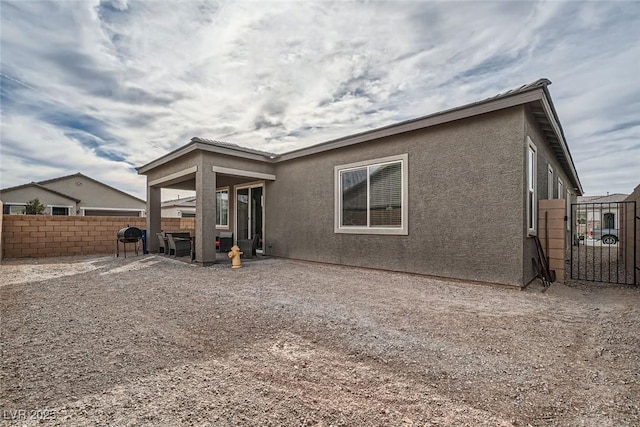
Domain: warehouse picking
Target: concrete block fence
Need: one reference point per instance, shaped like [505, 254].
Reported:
[34, 236]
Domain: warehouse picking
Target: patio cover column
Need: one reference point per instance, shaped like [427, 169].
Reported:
[205, 214]
[154, 216]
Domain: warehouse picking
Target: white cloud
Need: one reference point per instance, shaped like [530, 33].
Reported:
[141, 78]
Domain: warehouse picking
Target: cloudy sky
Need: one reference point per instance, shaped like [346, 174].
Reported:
[101, 87]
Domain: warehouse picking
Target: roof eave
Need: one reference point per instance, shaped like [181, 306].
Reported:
[193, 146]
[549, 108]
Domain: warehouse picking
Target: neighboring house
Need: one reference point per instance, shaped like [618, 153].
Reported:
[453, 194]
[75, 194]
[179, 208]
[595, 212]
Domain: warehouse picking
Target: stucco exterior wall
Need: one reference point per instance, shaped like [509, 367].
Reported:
[465, 203]
[94, 194]
[545, 158]
[23, 195]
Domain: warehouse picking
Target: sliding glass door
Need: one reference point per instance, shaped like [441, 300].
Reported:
[249, 212]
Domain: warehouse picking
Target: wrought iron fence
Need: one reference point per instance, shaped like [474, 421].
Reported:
[604, 242]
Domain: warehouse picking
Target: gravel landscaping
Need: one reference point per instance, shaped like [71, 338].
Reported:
[153, 341]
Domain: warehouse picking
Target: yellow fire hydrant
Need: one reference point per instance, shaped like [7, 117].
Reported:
[235, 257]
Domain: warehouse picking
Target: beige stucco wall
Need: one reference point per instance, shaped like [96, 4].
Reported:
[24, 195]
[94, 194]
[544, 157]
[465, 203]
[174, 212]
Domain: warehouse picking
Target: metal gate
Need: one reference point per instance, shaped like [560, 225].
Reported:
[604, 243]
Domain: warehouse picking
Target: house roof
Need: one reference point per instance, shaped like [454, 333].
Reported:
[223, 144]
[43, 185]
[183, 202]
[610, 198]
[535, 94]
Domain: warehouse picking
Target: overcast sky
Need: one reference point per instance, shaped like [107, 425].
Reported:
[101, 87]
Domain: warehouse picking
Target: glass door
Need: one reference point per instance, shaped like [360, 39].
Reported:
[249, 213]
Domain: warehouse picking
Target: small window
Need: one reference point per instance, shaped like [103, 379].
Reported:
[14, 209]
[187, 214]
[549, 182]
[222, 208]
[569, 216]
[57, 210]
[531, 187]
[609, 220]
[560, 189]
[371, 197]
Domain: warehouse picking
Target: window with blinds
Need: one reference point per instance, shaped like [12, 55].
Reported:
[371, 196]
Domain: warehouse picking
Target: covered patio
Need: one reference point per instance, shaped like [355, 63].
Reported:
[230, 183]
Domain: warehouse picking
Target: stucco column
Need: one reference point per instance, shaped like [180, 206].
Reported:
[154, 216]
[205, 214]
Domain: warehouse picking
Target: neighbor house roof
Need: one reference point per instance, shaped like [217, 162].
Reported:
[610, 198]
[78, 174]
[188, 202]
[536, 94]
[41, 187]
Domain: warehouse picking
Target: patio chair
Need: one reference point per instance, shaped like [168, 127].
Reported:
[179, 244]
[162, 243]
[226, 241]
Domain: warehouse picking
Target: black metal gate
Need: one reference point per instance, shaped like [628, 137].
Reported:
[604, 243]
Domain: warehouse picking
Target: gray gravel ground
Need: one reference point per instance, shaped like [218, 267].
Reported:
[603, 263]
[153, 341]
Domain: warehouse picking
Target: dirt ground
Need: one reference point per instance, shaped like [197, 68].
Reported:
[153, 341]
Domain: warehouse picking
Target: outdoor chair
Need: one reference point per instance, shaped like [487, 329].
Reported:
[179, 244]
[226, 241]
[162, 243]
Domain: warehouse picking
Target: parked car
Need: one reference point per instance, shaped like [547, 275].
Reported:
[609, 236]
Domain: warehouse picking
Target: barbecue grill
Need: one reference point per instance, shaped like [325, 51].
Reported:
[128, 235]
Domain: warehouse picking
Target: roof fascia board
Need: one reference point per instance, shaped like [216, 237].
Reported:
[167, 158]
[548, 109]
[202, 147]
[433, 120]
[232, 152]
[173, 176]
[243, 173]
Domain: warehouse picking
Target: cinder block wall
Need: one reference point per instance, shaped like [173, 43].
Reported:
[34, 236]
[552, 232]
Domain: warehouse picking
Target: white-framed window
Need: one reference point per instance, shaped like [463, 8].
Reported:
[568, 202]
[560, 189]
[222, 208]
[549, 182]
[59, 210]
[14, 209]
[532, 193]
[371, 197]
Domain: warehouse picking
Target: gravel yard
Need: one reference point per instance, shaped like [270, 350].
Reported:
[153, 341]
